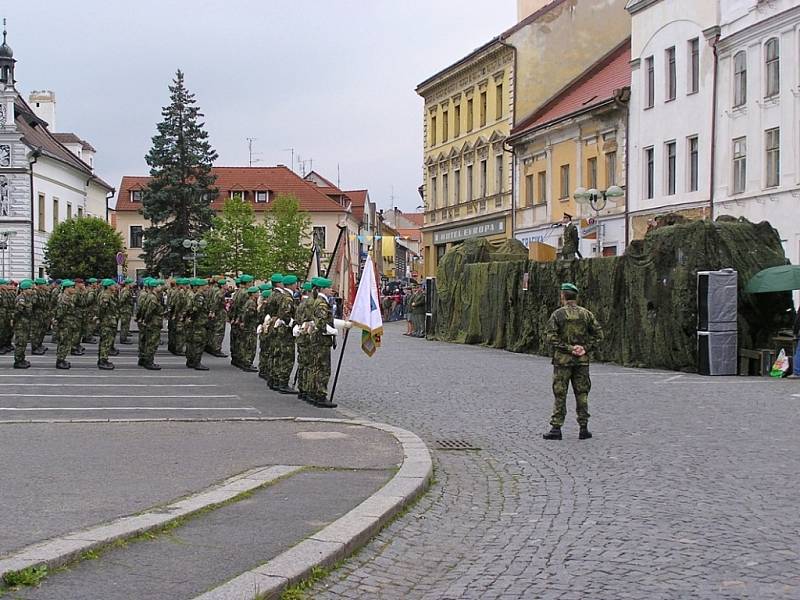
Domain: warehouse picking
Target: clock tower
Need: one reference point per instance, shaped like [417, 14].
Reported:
[16, 216]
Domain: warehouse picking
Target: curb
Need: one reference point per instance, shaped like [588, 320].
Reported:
[342, 537]
[324, 548]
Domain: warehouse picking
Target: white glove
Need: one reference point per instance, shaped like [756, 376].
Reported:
[291, 322]
[279, 323]
[340, 324]
[266, 321]
[330, 330]
[258, 329]
[296, 331]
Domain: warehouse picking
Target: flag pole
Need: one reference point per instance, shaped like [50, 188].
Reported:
[338, 368]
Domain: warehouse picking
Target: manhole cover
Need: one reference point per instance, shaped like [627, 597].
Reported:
[455, 445]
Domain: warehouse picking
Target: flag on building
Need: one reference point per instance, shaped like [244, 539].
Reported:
[367, 310]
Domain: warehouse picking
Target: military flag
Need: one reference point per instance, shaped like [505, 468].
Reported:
[366, 312]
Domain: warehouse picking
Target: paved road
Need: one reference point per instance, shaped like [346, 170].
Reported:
[688, 490]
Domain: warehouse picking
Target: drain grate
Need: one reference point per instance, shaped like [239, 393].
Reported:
[455, 445]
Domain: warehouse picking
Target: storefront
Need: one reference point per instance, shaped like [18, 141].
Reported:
[438, 242]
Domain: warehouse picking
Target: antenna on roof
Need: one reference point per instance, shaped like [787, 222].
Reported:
[338, 177]
[292, 151]
[250, 141]
[302, 163]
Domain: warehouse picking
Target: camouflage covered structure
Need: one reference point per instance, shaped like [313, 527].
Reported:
[645, 300]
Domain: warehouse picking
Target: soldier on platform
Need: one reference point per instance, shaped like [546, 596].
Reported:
[570, 247]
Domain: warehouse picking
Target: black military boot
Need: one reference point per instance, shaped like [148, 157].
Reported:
[23, 364]
[248, 369]
[105, 365]
[113, 352]
[140, 362]
[125, 341]
[553, 434]
[39, 350]
[77, 351]
[63, 364]
[323, 402]
[585, 434]
[200, 367]
[152, 367]
[285, 389]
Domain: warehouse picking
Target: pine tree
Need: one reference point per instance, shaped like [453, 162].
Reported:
[289, 231]
[177, 201]
[236, 244]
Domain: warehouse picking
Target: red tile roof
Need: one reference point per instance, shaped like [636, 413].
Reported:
[276, 180]
[359, 202]
[412, 234]
[596, 86]
[417, 218]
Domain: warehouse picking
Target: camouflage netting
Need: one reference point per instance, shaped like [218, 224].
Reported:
[646, 299]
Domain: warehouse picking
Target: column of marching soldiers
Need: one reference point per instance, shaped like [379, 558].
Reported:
[279, 317]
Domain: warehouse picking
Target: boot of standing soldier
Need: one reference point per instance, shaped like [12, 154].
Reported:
[573, 332]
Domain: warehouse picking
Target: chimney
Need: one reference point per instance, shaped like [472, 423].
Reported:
[525, 8]
[43, 104]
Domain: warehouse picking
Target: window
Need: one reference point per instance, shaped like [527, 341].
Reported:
[41, 213]
[470, 115]
[694, 66]
[319, 237]
[499, 100]
[445, 191]
[649, 173]
[457, 120]
[528, 190]
[739, 165]
[649, 82]
[469, 182]
[740, 79]
[433, 193]
[445, 124]
[773, 147]
[137, 236]
[483, 179]
[136, 195]
[55, 212]
[261, 196]
[542, 185]
[483, 109]
[611, 169]
[671, 85]
[237, 195]
[564, 192]
[671, 152]
[433, 130]
[80, 212]
[69, 211]
[773, 61]
[694, 165]
[457, 187]
[591, 173]
[498, 171]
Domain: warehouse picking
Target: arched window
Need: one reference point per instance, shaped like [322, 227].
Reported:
[773, 67]
[740, 78]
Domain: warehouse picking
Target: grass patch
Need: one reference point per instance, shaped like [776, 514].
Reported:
[298, 590]
[29, 576]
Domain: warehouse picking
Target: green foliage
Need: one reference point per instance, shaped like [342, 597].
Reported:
[83, 247]
[288, 230]
[646, 300]
[30, 576]
[177, 201]
[298, 590]
[236, 244]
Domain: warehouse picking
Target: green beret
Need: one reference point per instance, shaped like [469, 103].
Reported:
[4, 281]
[321, 282]
[67, 283]
[307, 286]
[266, 293]
[289, 279]
[128, 280]
[246, 279]
[276, 278]
[569, 287]
[222, 281]
[40, 281]
[264, 286]
[25, 284]
[91, 280]
[107, 282]
[252, 290]
[150, 282]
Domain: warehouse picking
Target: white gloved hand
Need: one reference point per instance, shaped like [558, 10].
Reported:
[259, 329]
[296, 331]
[341, 324]
[330, 330]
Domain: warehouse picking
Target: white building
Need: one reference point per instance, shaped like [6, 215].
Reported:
[757, 158]
[671, 109]
[41, 181]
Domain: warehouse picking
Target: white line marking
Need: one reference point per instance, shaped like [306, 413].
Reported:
[93, 408]
[84, 396]
[126, 385]
[115, 376]
[673, 378]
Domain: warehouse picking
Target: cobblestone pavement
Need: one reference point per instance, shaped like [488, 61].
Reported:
[689, 488]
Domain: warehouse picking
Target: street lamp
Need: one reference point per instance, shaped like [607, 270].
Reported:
[194, 245]
[597, 200]
[4, 235]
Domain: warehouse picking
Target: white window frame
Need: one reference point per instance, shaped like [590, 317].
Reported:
[739, 165]
[670, 168]
[768, 62]
[693, 163]
[772, 180]
[739, 80]
[236, 195]
[693, 80]
[130, 236]
[261, 193]
[649, 82]
[649, 175]
[670, 74]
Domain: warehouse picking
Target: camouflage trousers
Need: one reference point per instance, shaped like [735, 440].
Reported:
[303, 362]
[107, 334]
[149, 337]
[215, 333]
[236, 348]
[195, 344]
[125, 325]
[176, 335]
[22, 337]
[6, 331]
[38, 330]
[247, 347]
[319, 368]
[581, 385]
[264, 350]
[67, 334]
[86, 328]
[282, 356]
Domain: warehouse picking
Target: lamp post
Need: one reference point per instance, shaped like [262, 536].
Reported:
[194, 245]
[4, 235]
[597, 200]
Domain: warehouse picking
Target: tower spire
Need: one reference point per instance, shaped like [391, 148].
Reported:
[4, 30]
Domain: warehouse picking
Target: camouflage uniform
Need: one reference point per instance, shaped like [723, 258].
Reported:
[267, 307]
[319, 370]
[196, 319]
[107, 317]
[23, 316]
[41, 318]
[179, 300]
[55, 292]
[569, 326]
[125, 311]
[7, 298]
[215, 329]
[149, 316]
[570, 247]
[235, 317]
[282, 340]
[418, 314]
[304, 315]
[67, 323]
[248, 333]
[90, 312]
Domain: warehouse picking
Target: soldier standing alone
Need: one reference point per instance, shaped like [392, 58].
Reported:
[570, 247]
[572, 332]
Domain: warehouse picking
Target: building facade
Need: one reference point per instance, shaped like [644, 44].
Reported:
[757, 161]
[576, 140]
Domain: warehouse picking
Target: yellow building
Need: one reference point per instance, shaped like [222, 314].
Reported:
[471, 106]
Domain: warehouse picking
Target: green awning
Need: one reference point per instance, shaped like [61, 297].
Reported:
[775, 279]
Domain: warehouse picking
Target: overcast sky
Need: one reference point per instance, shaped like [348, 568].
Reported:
[334, 79]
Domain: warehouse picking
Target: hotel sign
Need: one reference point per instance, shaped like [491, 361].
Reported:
[457, 234]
